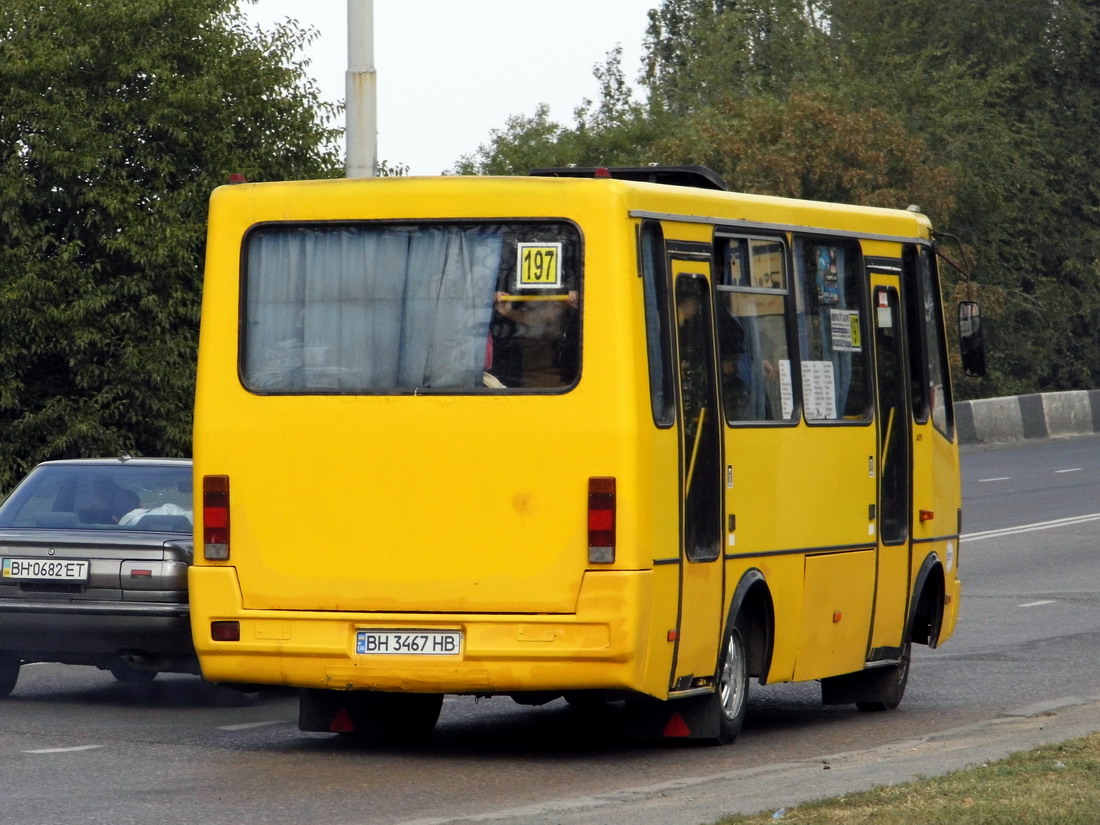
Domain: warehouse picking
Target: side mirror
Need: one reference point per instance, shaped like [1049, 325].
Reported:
[971, 345]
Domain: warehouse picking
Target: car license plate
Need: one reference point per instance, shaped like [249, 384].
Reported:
[65, 570]
[408, 642]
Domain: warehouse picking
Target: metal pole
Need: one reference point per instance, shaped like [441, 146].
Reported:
[361, 105]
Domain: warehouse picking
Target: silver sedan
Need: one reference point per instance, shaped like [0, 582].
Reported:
[93, 568]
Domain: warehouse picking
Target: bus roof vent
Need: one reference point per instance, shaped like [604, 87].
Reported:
[698, 176]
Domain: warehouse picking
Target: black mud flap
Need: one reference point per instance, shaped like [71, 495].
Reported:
[330, 711]
[694, 718]
[873, 685]
[387, 716]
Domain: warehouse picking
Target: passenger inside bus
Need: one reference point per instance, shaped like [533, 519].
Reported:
[751, 346]
[533, 339]
[690, 339]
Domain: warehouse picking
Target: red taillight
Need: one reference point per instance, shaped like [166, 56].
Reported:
[225, 631]
[601, 520]
[215, 517]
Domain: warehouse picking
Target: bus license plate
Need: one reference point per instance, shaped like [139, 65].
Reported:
[408, 642]
[48, 569]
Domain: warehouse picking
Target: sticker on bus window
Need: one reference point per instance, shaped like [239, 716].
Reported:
[538, 265]
[786, 389]
[845, 326]
[818, 390]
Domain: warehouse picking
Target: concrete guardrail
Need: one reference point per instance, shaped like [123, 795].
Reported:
[1019, 417]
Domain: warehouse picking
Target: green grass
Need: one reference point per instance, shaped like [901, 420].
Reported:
[1053, 785]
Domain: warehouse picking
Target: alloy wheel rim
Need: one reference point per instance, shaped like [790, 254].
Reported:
[732, 685]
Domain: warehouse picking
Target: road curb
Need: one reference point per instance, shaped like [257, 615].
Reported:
[706, 799]
[1022, 417]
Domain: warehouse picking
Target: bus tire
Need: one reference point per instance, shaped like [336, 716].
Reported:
[9, 672]
[873, 689]
[587, 699]
[414, 714]
[128, 674]
[889, 684]
[731, 694]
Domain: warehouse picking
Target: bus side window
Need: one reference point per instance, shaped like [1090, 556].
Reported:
[657, 333]
[755, 366]
[927, 346]
[831, 326]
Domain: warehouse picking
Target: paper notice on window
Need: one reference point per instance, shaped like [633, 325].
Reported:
[818, 390]
[786, 389]
[845, 326]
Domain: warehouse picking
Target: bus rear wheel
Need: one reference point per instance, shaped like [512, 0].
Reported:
[402, 716]
[873, 689]
[396, 717]
[891, 684]
[391, 717]
[731, 695]
[128, 674]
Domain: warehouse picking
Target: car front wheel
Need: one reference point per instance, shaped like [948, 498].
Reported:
[9, 672]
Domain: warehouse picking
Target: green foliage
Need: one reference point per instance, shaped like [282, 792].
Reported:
[700, 51]
[1006, 96]
[523, 143]
[810, 147]
[388, 169]
[117, 119]
[614, 130]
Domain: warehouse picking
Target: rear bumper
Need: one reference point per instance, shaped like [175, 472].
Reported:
[89, 631]
[599, 646]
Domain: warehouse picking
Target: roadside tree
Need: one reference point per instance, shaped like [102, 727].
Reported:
[117, 119]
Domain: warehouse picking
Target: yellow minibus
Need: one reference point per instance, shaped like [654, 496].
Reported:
[601, 434]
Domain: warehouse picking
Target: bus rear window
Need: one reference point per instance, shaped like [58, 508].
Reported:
[385, 308]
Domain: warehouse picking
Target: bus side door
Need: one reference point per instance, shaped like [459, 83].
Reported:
[700, 621]
[894, 468]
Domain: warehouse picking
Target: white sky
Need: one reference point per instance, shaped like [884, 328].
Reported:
[449, 71]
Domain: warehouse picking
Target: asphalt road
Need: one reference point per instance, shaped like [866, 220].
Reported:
[77, 747]
[1009, 485]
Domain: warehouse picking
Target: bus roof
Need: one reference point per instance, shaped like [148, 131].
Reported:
[673, 193]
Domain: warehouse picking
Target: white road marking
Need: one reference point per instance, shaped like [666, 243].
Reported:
[1070, 470]
[249, 725]
[67, 750]
[1027, 528]
[1038, 603]
[997, 478]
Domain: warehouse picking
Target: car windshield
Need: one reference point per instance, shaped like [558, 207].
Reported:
[102, 497]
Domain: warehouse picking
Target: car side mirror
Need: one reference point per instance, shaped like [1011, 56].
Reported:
[971, 344]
